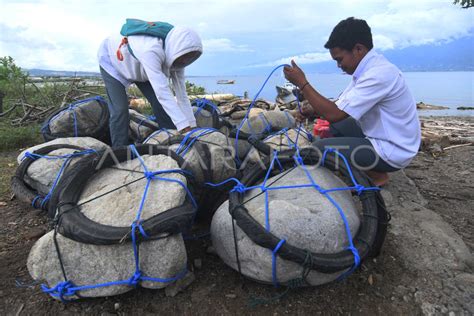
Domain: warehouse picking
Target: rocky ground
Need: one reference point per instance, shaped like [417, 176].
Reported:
[426, 265]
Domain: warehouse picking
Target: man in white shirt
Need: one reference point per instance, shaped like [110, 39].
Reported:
[374, 121]
[149, 62]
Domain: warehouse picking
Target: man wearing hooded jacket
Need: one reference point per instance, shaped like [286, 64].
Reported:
[150, 67]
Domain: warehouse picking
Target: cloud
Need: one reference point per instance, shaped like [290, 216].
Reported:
[66, 34]
[219, 45]
[308, 58]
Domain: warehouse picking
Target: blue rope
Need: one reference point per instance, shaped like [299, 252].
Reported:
[66, 158]
[241, 188]
[201, 102]
[184, 146]
[248, 111]
[71, 108]
[68, 288]
[158, 132]
[274, 263]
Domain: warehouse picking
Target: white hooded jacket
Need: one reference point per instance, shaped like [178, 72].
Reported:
[153, 63]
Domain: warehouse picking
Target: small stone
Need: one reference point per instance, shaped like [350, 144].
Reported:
[370, 279]
[406, 298]
[230, 295]
[211, 250]
[3, 203]
[198, 263]
[117, 306]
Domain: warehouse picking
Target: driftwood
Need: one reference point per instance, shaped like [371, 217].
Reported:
[34, 112]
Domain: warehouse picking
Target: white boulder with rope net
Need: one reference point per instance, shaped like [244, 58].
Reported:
[300, 216]
[112, 197]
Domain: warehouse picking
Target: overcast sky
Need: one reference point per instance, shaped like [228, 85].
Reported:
[237, 34]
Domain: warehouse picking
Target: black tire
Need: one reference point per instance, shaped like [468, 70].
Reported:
[368, 240]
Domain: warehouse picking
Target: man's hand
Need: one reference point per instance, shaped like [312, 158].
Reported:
[295, 75]
[306, 112]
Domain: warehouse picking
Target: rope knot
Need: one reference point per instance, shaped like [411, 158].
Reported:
[135, 278]
[61, 290]
[149, 175]
[138, 224]
[359, 189]
[355, 252]
[240, 188]
[30, 155]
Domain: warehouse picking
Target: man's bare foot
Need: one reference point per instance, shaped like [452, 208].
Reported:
[378, 178]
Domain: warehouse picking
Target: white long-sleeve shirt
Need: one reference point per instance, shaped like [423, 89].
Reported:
[379, 100]
[153, 62]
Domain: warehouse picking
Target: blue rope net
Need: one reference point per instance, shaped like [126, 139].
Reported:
[264, 188]
[66, 289]
[267, 124]
[66, 160]
[72, 109]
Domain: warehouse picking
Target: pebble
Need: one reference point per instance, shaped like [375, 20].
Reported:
[117, 306]
[230, 295]
[198, 263]
[370, 279]
[211, 250]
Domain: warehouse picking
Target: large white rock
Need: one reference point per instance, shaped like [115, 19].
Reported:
[87, 264]
[84, 142]
[42, 173]
[303, 216]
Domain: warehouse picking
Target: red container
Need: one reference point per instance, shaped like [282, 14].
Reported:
[321, 128]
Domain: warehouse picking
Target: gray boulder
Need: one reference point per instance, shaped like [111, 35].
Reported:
[220, 166]
[160, 136]
[84, 142]
[284, 140]
[86, 117]
[304, 217]
[203, 117]
[87, 264]
[275, 120]
[140, 126]
[42, 173]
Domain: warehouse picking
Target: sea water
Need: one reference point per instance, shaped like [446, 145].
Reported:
[450, 89]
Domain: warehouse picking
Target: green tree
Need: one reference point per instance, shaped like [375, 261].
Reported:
[11, 76]
[465, 3]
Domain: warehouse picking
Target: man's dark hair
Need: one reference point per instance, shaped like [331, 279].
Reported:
[349, 32]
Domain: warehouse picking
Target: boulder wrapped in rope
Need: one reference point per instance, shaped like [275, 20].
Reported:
[267, 122]
[141, 126]
[206, 113]
[160, 136]
[296, 223]
[112, 211]
[82, 142]
[280, 141]
[41, 167]
[88, 117]
[209, 155]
